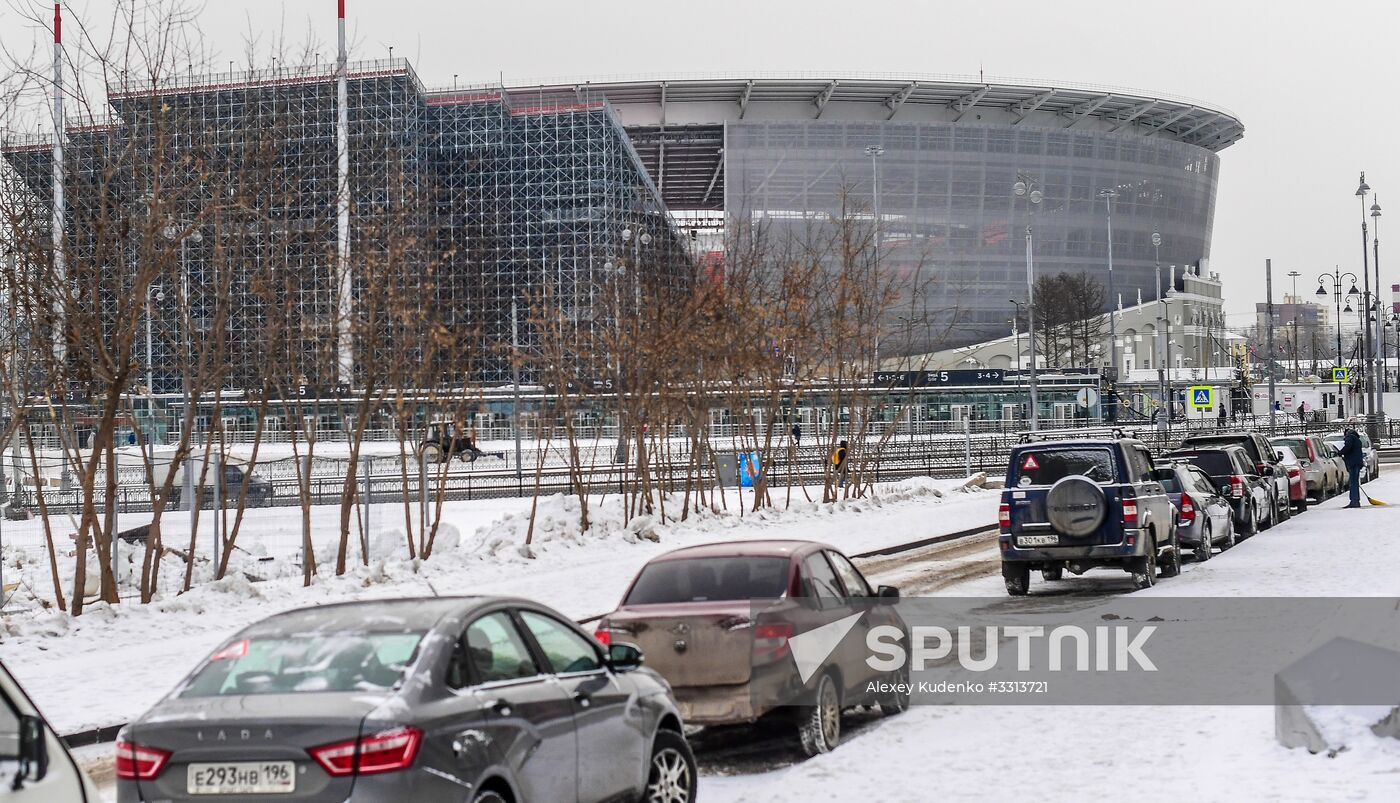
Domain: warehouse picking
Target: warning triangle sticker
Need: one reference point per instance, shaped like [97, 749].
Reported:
[1030, 462]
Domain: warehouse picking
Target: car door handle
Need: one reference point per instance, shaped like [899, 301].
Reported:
[583, 698]
[500, 707]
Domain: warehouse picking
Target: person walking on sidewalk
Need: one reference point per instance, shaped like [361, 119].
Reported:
[1352, 456]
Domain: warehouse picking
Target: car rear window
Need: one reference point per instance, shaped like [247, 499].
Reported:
[1298, 445]
[305, 663]
[1243, 441]
[1168, 479]
[710, 579]
[1046, 467]
[1215, 464]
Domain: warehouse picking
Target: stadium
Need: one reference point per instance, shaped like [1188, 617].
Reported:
[938, 157]
[523, 188]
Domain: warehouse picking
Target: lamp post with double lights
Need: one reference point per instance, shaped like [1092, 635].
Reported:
[1028, 188]
[1336, 279]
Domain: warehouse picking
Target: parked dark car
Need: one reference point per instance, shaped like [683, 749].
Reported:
[474, 699]
[694, 612]
[1205, 519]
[1082, 504]
[260, 492]
[1230, 468]
[1265, 461]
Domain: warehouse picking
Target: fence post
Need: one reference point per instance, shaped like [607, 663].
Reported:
[368, 499]
[967, 447]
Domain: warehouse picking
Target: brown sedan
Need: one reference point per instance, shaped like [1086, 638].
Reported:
[716, 620]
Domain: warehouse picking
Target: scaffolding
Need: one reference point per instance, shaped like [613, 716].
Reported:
[462, 204]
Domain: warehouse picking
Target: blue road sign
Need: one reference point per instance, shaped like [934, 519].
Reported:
[1202, 397]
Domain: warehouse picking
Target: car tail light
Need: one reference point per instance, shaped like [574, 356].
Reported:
[386, 751]
[1130, 512]
[604, 636]
[1294, 471]
[138, 763]
[1188, 510]
[1004, 517]
[1260, 467]
[770, 641]
[1237, 486]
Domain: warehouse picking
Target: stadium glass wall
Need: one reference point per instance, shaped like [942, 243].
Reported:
[951, 222]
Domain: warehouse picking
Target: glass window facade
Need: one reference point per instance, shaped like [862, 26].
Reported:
[950, 222]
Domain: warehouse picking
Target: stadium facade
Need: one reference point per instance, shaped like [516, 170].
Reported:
[519, 189]
[782, 151]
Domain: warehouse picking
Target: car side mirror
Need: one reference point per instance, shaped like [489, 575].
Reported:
[887, 594]
[33, 751]
[624, 657]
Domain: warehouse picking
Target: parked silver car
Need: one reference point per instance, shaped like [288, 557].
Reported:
[1205, 519]
[1323, 470]
[481, 699]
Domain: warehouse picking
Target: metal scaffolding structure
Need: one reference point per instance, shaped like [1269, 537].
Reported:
[460, 203]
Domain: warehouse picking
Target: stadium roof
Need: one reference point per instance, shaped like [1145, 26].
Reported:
[677, 123]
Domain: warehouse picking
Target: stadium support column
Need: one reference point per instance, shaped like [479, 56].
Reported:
[345, 303]
[60, 345]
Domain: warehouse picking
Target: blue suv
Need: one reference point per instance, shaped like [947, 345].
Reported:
[1082, 504]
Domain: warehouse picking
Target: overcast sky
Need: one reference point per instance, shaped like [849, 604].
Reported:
[1311, 81]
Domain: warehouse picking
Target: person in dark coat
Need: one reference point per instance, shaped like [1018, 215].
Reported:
[1352, 456]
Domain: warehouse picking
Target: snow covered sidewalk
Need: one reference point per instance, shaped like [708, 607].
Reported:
[1161, 753]
[112, 663]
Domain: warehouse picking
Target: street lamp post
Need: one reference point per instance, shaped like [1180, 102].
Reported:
[1161, 330]
[1028, 188]
[1376, 244]
[1016, 331]
[1108, 196]
[1336, 277]
[1367, 336]
[1293, 274]
[875, 152]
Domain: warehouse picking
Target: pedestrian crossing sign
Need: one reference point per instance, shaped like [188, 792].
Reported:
[1341, 374]
[1202, 397]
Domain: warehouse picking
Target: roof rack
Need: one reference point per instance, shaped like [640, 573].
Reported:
[1074, 434]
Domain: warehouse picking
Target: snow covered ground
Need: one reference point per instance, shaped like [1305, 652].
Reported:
[1166, 753]
[103, 668]
[111, 663]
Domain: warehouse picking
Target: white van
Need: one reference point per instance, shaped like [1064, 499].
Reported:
[35, 766]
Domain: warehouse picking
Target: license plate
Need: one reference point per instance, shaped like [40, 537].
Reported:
[242, 778]
[1037, 540]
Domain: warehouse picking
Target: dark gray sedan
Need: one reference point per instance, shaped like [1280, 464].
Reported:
[465, 699]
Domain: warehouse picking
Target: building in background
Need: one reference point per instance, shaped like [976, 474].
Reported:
[476, 199]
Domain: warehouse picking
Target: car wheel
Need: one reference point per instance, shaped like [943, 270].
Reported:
[489, 796]
[897, 702]
[1144, 569]
[1230, 538]
[1017, 577]
[1203, 547]
[1265, 524]
[820, 726]
[1172, 567]
[671, 776]
[1251, 525]
[430, 453]
[1053, 573]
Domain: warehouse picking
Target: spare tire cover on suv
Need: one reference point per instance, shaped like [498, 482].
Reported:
[1075, 506]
